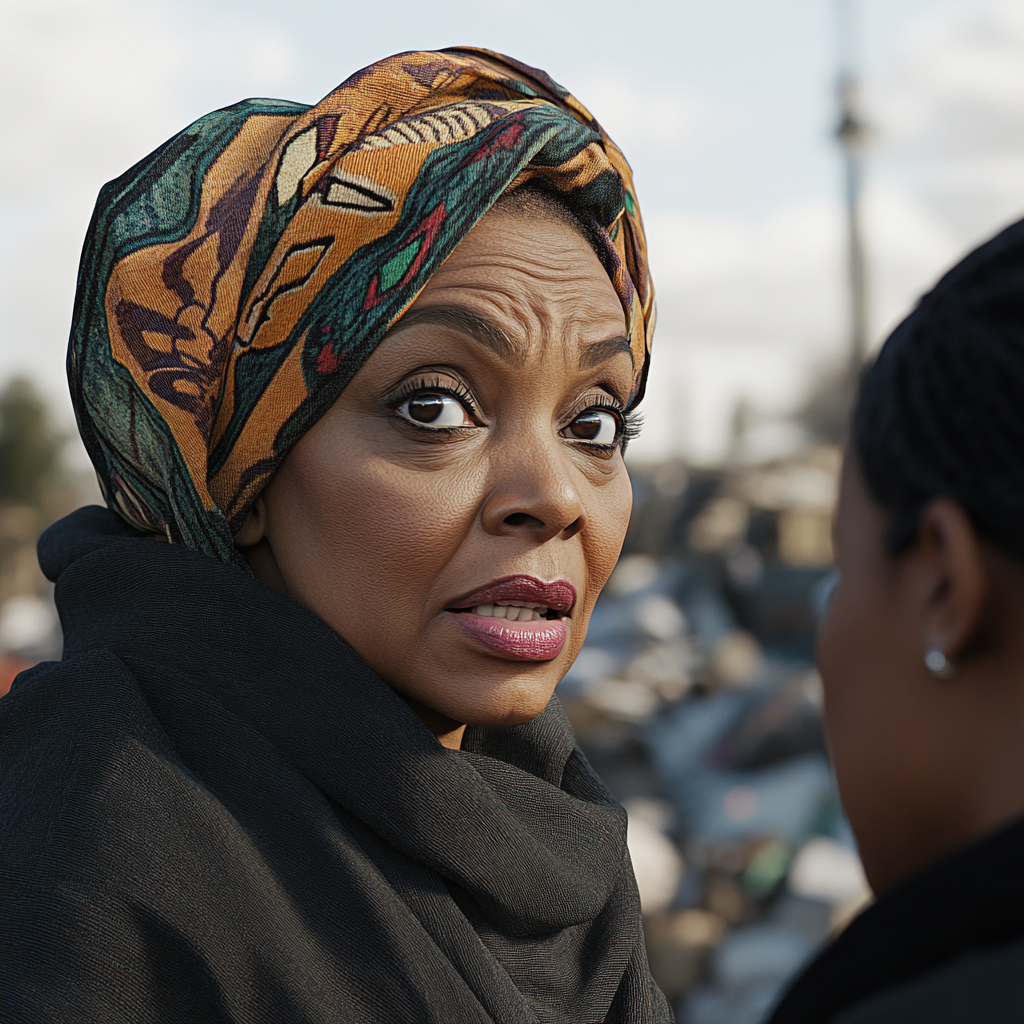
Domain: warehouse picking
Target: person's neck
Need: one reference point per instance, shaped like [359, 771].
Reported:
[977, 786]
[447, 730]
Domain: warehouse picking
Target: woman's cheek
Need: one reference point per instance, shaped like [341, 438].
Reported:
[856, 713]
[842, 647]
[608, 509]
[608, 512]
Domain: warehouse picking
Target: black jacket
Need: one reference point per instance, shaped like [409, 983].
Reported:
[213, 810]
[944, 947]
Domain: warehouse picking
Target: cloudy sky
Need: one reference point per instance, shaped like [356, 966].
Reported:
[725, 110]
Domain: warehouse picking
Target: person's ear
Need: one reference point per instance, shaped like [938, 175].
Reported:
[252, 539]
[954, 579]
[253, 530]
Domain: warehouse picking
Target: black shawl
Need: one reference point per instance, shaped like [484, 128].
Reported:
[213, 810]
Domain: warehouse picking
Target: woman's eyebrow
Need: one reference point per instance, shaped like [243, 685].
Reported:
[602, 351]
[466, 321]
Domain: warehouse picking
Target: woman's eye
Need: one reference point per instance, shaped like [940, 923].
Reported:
[595, 426]
[435, 411]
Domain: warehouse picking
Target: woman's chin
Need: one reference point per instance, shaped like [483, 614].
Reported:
[500, 706]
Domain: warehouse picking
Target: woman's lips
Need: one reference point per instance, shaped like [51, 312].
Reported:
[528, 641]
[539, 636]
[559, 595]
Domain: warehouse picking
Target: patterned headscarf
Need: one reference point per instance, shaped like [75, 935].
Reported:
[234, 281]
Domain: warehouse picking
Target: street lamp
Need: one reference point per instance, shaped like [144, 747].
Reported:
[852, 134]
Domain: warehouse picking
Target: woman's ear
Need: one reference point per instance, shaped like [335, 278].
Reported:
[253, 541]
[954, 579]
[253, 530]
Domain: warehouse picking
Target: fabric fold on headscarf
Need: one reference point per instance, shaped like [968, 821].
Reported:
[246, 823]
[234, 281]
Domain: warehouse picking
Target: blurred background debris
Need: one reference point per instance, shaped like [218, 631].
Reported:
[696, 698]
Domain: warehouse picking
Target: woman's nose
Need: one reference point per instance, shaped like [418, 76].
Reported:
[535, 492]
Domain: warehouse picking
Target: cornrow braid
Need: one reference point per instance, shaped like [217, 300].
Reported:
[941, 411]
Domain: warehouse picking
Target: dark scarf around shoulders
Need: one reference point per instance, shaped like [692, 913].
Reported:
[497, 875]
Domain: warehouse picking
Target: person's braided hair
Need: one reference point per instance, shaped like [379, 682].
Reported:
[941, 411]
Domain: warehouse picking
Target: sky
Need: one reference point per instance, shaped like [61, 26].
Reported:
[725, 110]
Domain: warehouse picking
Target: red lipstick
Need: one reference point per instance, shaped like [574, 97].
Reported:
[539, 636]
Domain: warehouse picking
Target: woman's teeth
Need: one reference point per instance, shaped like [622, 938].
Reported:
[513, 611]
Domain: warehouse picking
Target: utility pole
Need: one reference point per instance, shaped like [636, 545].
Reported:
[852, 135]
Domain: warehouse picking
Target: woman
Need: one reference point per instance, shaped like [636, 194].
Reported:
[366, 369]
[922, 657]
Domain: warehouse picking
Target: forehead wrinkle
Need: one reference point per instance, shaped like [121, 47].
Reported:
[556, 309]
[520, 322]
[545, 327]
[554, 269]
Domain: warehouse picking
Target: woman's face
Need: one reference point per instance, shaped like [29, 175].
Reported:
[456, 513]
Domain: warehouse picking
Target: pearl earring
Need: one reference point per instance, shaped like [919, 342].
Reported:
[938, 664]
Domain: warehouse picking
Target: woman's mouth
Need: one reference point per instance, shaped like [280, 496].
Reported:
[514, 611]
[518, 617]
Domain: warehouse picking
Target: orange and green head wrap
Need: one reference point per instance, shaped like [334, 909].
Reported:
[234, 281]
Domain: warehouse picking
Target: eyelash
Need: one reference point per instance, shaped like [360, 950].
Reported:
[632, 426]
[631, 423]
